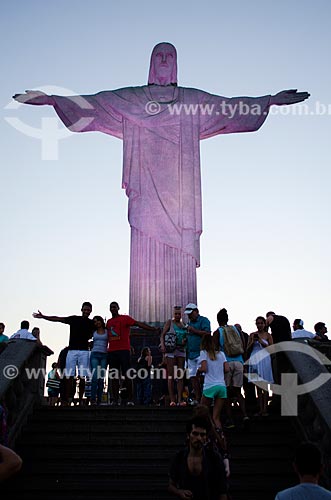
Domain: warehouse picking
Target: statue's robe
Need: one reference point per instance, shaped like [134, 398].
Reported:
[161, 176]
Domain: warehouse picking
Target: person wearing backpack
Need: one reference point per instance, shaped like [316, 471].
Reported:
[230, 342]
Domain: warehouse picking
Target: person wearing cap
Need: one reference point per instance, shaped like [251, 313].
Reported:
[197, 327]
[299, 331]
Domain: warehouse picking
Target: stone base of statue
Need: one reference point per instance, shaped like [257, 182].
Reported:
[161, 277]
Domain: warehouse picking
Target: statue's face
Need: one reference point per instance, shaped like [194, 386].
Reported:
[163, 61]
[163, 69]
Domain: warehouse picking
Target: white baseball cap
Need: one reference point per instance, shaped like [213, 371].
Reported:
[190, 307]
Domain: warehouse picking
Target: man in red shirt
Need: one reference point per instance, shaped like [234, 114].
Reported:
[119, 348]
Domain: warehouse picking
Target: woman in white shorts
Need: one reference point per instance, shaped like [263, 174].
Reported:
[177, 357]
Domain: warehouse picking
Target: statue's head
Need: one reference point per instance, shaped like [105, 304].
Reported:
[163, 66]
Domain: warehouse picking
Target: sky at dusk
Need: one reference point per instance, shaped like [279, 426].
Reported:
[266, 195]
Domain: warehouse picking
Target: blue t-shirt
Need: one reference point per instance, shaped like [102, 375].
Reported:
[229, 358]
[194, 341]
[304, 491]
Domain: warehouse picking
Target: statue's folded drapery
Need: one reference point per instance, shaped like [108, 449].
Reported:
[161, 176]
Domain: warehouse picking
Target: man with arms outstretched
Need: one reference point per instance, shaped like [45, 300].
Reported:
[81, 331]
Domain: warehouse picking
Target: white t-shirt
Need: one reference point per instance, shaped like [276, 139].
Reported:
[215, 369]
[304, 491]
[23, 334]
[298, 334]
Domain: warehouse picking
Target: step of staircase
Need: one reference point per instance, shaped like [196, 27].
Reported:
[81, 453]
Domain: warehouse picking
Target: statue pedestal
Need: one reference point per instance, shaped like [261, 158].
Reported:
[142, 338]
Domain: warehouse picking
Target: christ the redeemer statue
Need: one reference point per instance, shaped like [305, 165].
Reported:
[161, 125]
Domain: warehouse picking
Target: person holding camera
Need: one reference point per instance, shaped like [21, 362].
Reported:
[177, 357]
[262, 370]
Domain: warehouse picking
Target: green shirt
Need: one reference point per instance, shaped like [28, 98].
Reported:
[193, 340]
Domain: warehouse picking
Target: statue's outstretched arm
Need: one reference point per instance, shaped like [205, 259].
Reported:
[285, 97]
[81, 113]
[35, 97]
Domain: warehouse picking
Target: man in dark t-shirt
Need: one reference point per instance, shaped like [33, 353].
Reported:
[81, 331]
[280, 327]
[281, 332]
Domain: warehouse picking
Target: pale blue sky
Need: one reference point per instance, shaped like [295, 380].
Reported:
[266, 195]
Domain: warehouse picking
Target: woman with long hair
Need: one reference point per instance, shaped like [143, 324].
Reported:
[98, 359]
[261, 370]
[143, 380]
[213, 364]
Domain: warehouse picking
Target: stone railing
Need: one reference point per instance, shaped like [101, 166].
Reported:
[314, 416]
[22, 380]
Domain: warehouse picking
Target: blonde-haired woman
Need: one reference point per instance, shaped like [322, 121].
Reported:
[177, 357]
[213, 364]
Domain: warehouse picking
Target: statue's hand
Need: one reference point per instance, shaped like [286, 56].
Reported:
[290, 96]
[35, 97]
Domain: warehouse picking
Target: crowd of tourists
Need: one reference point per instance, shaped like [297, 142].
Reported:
[200, 366]
[216, 372]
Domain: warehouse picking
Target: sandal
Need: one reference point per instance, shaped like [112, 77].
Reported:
[182, 404]
[172, 403]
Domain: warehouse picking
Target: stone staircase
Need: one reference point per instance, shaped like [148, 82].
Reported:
[261, 457]
[81, 453]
